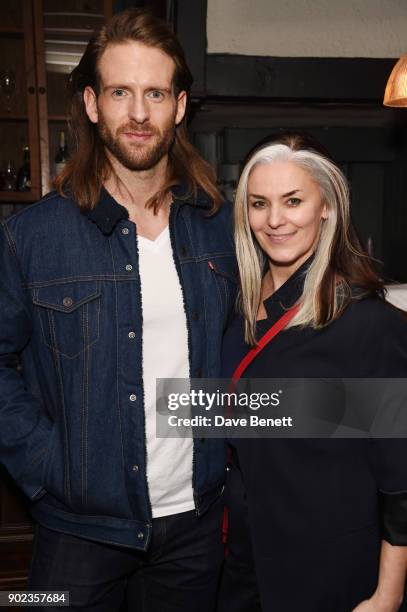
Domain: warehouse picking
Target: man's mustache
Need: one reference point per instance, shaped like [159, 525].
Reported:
[136, 128]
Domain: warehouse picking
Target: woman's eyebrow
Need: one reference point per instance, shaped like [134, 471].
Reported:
[290, 193]
[256, 195]
[284, 195]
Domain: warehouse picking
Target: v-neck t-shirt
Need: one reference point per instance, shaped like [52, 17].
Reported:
[165, 355]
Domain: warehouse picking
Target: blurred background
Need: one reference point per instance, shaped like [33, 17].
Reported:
[259, 67]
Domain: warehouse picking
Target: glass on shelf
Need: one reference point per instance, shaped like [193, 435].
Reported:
[7, 87]
[14, 136]
[8, 179]
[13, 77]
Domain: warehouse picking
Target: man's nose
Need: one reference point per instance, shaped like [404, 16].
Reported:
[139, 110]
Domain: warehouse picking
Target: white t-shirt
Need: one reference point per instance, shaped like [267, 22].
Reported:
[165, 355]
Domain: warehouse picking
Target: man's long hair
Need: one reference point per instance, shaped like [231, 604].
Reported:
[89, 166]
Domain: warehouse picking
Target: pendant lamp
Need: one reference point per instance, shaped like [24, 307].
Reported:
[396, 88]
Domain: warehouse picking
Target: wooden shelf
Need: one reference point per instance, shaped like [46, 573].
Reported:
[11, 117]
[4, 31]
[18, 196]
[57, 118]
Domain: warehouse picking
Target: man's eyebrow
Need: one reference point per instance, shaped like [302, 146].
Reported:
[151, 88]
[106, 87]
[167, 89]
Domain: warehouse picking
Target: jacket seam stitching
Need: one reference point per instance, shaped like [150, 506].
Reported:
[67, 484]
[13, 248]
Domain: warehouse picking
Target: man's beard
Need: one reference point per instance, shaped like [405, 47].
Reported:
[136, 156]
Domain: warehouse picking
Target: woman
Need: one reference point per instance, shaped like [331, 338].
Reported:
[319, 539]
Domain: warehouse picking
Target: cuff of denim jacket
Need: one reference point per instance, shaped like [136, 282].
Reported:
[393, 505]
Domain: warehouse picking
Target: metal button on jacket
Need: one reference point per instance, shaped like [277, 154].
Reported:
[133, 397]
[125, 231]
[129, 267]
[132, 335]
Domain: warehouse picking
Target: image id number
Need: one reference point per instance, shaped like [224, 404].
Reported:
[34, 598]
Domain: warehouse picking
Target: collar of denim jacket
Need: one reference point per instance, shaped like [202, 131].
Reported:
[107, 212]
[183, 195]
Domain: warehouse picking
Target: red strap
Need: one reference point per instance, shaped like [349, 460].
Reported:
[268, 336]
[225, 525]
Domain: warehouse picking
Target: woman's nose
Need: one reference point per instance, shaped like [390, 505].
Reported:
[276, 215]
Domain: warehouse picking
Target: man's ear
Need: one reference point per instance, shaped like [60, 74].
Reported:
[181, 107]
[89, 97]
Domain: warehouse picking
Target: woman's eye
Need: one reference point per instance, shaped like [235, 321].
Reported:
[258, 204]
[294, 201]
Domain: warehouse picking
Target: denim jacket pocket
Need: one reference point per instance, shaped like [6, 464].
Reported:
[69, 315]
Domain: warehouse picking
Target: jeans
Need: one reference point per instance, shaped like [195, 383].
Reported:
[179, 572]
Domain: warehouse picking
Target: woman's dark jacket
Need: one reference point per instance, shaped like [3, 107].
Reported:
[318, 508]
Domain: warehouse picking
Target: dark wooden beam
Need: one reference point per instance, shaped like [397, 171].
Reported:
[279, 78]
[157, 7]
[190, 26]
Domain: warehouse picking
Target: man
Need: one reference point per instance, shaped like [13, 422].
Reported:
[122, 276]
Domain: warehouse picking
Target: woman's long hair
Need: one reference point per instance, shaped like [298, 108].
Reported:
[340, 264]
[89, 166]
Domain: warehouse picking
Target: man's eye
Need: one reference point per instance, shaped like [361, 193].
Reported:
[294, 201]
[119, 93]
[155, 94]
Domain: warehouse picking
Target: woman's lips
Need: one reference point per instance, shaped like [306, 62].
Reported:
[279, 238]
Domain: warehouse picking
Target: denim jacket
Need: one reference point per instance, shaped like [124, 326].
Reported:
[72, 431]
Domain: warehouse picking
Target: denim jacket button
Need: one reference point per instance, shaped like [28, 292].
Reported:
[129, 267]
[140, 535]
[133, 397]
[132, 335]
[125, 231]
[135, 468]
[67, 301]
